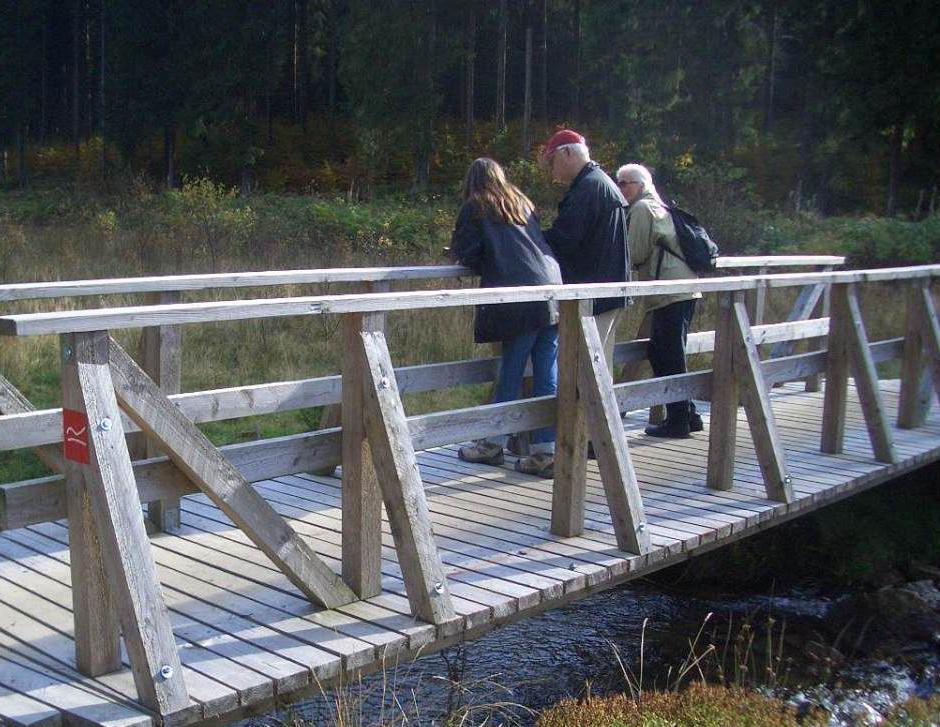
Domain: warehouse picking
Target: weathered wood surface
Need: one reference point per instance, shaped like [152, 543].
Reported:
[190, 450]
[27, 428]
[157, 283]
[248, 637]
[24, 503]
[33, 324]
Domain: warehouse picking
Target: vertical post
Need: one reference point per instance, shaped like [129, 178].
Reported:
[95, 441]
[837, 373]
[361, 497]
[812, 382]
[161, 359]
[725, 395]
[570, 483]
[916, 387]
[97, 627]
[757, 300]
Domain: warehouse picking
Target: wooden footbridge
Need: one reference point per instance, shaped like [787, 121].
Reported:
[266, 581]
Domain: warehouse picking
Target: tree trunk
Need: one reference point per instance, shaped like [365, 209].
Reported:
[426, 134]
[501, 42]
[43, 83]
[22, 177]
[470, 56]
[527, 109]
[169, 152]
[576, 96]
[332, 55]
[771, 83]
[102, 122]
[894, 169]
[301, 69]
[543, 63]
[76, 57]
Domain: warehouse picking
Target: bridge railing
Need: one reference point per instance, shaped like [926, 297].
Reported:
[160, 347]
[105, 394]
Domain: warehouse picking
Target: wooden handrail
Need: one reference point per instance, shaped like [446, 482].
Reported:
[32, 324]
[165, 283]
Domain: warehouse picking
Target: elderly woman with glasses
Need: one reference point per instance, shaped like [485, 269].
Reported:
[656, 254]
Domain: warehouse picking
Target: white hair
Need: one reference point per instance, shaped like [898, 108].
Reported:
[580, 150]
[638, 173]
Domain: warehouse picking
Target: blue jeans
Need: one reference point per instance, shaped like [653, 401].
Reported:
[542, 347]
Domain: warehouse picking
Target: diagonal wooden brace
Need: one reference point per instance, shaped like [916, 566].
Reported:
[95, 443]
[919, 357]
[849, 348]
[396, 465]
[193, 453]
[610, 443]
[760, 415]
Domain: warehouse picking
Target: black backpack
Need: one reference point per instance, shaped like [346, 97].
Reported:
[699, 251]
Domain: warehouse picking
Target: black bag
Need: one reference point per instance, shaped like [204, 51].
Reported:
[698, 250]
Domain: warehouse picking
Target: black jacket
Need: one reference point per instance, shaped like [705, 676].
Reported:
[589, 236]
[503, 255]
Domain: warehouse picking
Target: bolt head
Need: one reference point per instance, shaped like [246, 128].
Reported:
[166, 671]
[439, 587]
[105, 425]
[384, 383]
[68, 353]
[641, 527]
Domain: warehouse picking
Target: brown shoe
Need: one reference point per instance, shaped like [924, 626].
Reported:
[541, 464]
[482, 452]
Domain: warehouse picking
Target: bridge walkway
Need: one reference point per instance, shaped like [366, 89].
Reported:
[249, 640]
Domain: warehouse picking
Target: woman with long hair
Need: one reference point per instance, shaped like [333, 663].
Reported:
[499, 237]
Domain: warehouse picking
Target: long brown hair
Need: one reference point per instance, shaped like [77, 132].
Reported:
[490, 194]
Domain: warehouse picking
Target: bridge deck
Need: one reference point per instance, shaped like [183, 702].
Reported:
[247, 638]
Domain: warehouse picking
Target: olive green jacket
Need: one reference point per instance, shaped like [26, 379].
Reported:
[651, 226]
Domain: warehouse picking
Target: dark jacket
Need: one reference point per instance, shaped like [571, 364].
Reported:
[503, 255]
[589, 236]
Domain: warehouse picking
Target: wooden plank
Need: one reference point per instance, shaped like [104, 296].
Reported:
[393, 456]
[837, 373]
[157, 283]
[866, 379]
[18, 710]
[161, 359]
[722, 429]
[760, 415]
[13, 402]
[606, 432]
[195, 455]
[362, 498]
[570, 481]
[97, 625]
[757, 300]
[725, 262]
[128, 562]
[80, 707]
[45, 427]
[32, 324]
[931, 334]
[806, 302]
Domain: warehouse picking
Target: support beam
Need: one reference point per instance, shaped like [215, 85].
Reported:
[849, 347]
[723, 426]
[760, 415]
[161, 359]
[361, 497]
[192, 452]
[12, 401]
[916, 387]
[570, 484]
[610, 443]
[97, 625]
[394, 458]
[931, 333]
[96, 444]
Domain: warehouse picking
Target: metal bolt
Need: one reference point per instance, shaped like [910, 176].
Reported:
[384, 383]
[439, 587]
[787, 480]
[68, 353]
[105, 425]
[166, 671]
[597, 357]
[641, 527]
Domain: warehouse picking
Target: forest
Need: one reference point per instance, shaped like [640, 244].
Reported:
[826, 106]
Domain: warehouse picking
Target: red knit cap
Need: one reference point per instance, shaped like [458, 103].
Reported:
[561, 138]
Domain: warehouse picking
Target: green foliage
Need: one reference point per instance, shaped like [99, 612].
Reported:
[699, 705]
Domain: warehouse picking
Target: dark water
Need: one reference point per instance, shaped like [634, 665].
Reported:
[515, 671]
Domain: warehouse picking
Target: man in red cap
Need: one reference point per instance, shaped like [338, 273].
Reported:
[589, 235]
